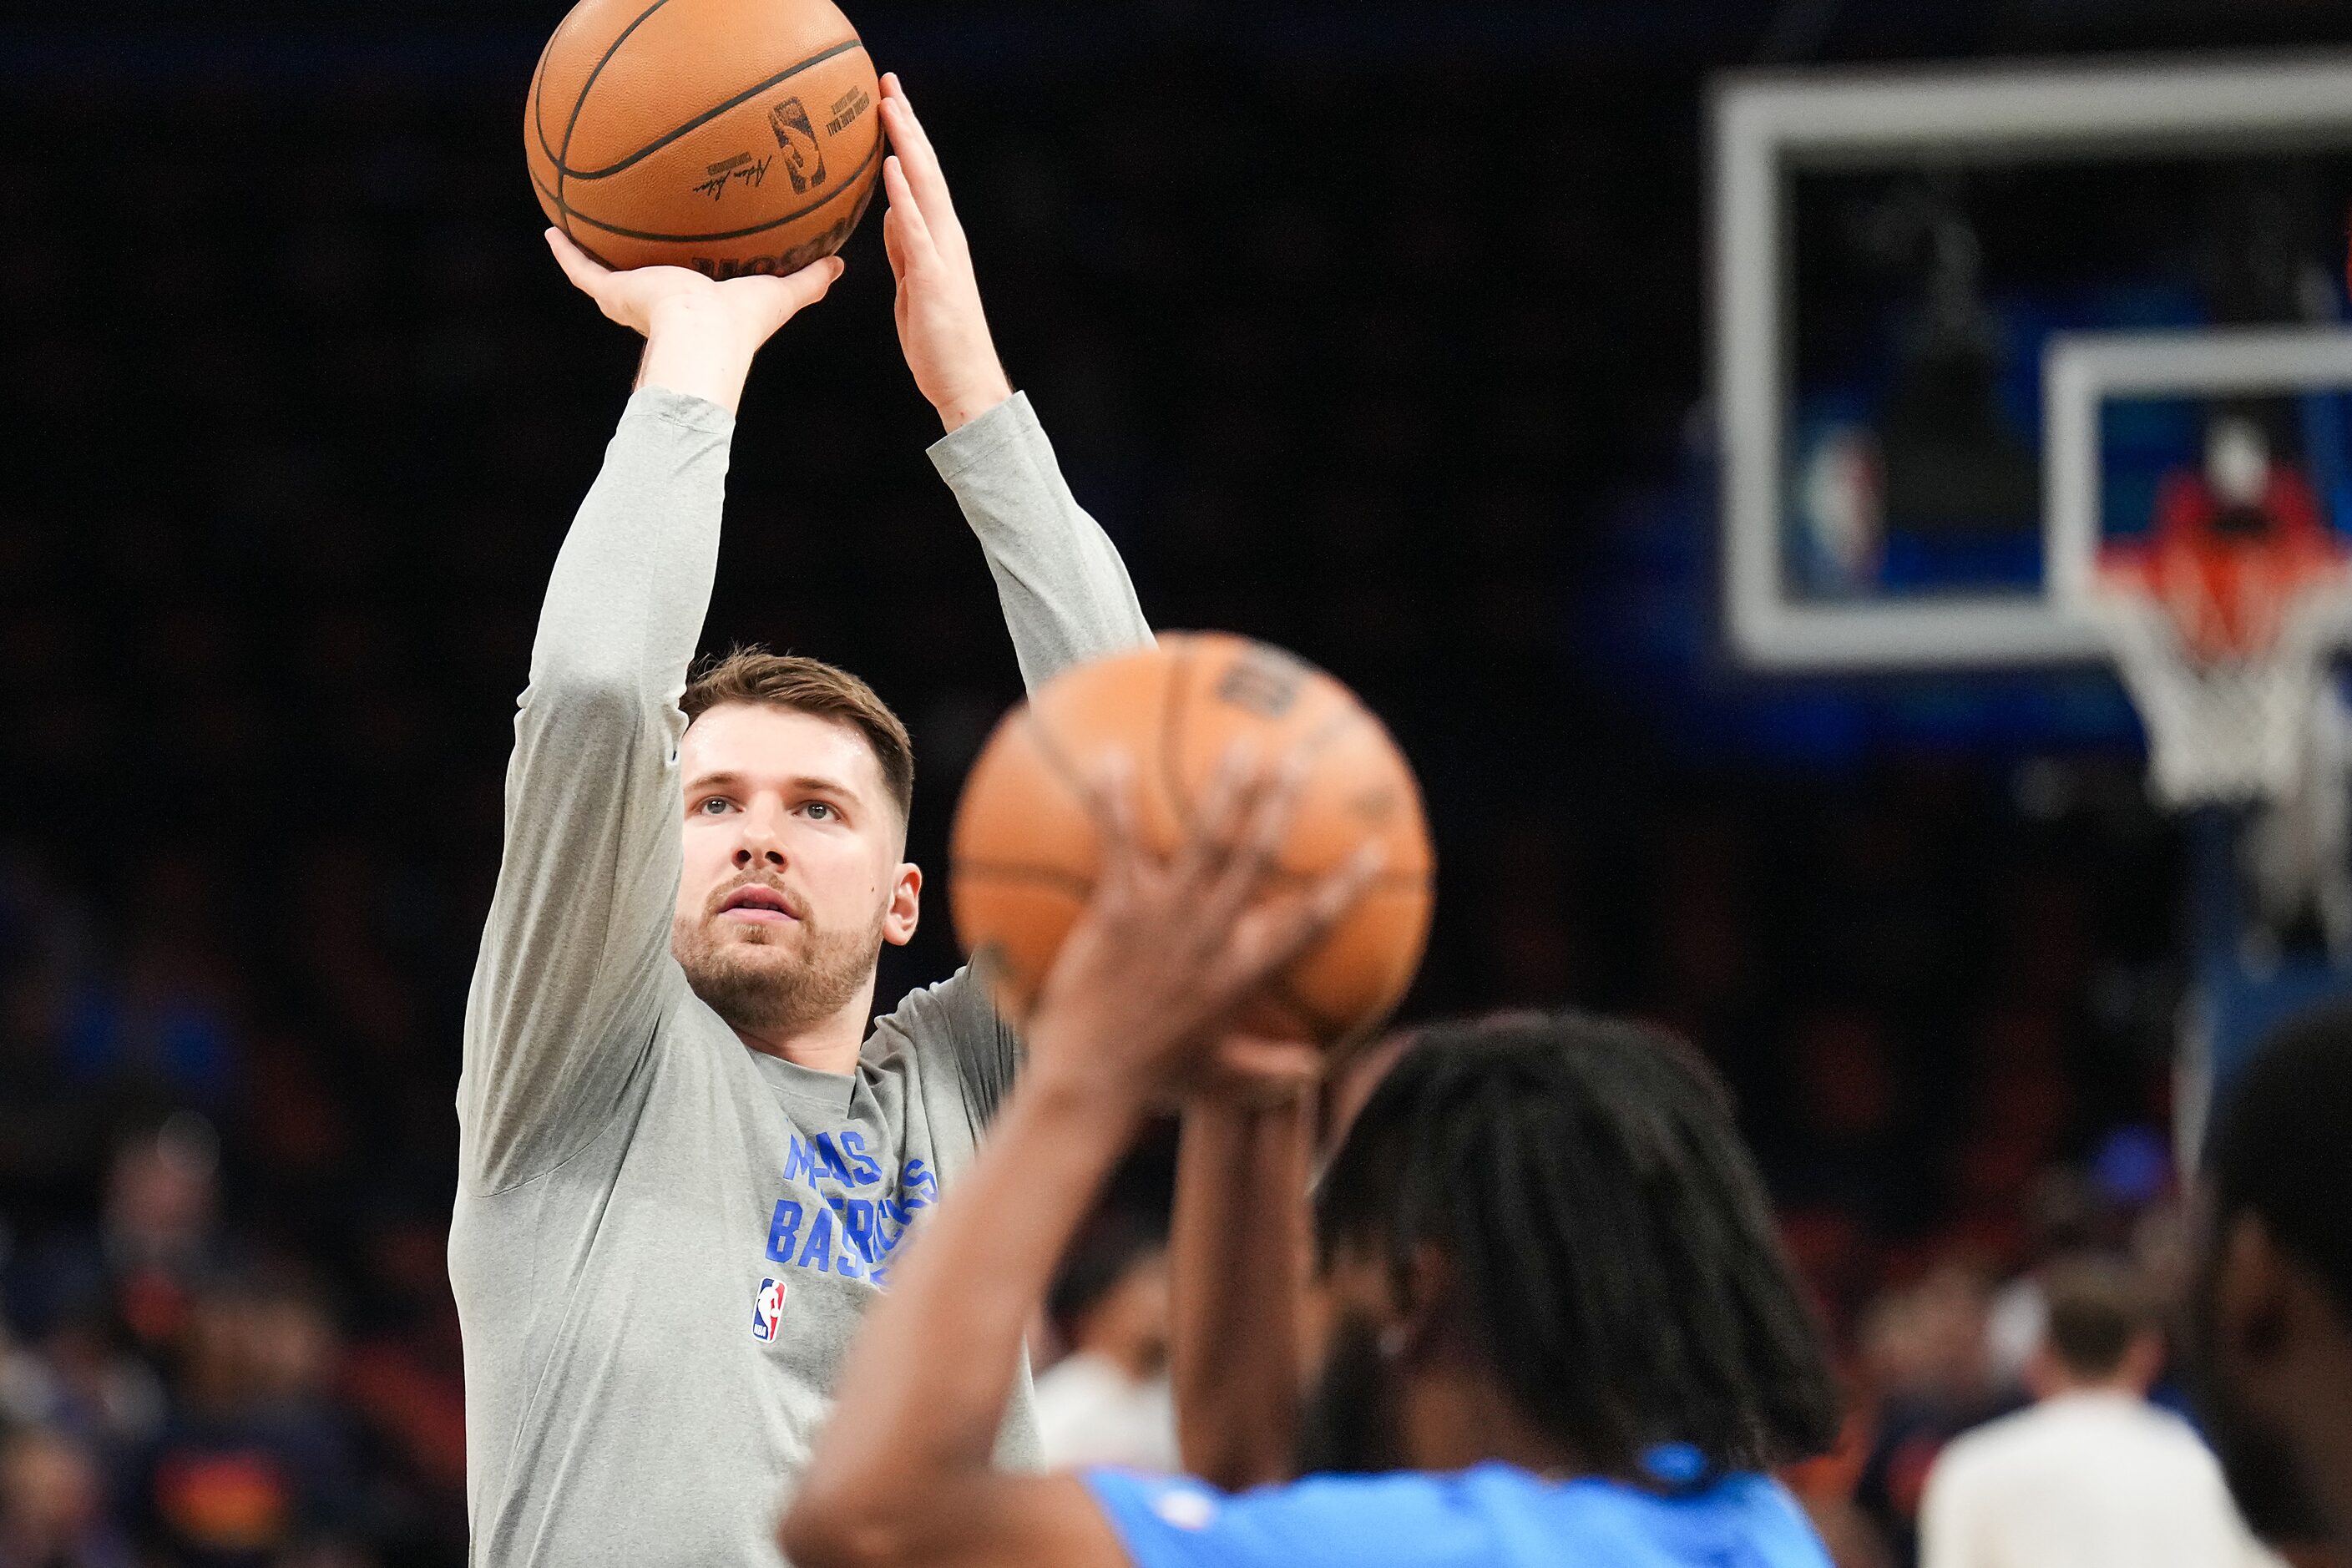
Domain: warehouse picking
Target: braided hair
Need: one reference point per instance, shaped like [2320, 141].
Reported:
[1612, 1249]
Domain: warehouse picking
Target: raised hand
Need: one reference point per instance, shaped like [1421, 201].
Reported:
[700, 334]
[1138, 1000]
[942, 330]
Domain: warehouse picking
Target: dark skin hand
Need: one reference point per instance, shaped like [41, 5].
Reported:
[1131, 1018]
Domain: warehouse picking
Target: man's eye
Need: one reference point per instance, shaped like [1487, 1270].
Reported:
[819, 810]
[712, 806]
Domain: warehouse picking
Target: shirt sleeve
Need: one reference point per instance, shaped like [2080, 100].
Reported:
[1361, 1521]
[952, 1027]
[1067, 599]
[1064, 589]
[575, 973]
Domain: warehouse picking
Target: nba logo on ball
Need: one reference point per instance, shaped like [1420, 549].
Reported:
[767, 1307]
[804, 159]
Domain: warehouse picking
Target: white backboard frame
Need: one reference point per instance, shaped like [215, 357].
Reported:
[1765, 126]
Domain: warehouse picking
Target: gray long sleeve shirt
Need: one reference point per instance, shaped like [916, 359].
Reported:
[663, 1242]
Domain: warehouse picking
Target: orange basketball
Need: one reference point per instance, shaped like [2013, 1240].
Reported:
[730, 136]
[1026, 849]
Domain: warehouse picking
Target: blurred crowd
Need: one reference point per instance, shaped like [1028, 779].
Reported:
[266, 599]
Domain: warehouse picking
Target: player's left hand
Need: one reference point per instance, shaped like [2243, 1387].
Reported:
[1168, 950]
[941, 328]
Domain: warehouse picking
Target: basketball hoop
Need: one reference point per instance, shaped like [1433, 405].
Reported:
[2222, 626]
[2232, 728]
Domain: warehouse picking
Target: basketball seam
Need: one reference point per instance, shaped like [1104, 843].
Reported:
[1063, 768]
[706, 116]
[580, 102]
[847, 185]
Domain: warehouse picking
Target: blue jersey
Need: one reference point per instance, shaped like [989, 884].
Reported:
[1493, 1514]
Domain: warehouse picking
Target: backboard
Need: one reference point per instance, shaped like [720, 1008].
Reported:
[1969, 321]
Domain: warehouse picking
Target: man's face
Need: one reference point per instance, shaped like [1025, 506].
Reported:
[792, 878]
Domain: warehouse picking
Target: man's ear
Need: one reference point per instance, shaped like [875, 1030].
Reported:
[1423, 1310]
[2254, 1306]
[906, 906]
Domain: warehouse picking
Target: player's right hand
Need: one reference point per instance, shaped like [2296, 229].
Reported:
[648, 300]
[1139, 1000]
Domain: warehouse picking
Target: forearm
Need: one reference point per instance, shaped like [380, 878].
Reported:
[625, 602]
[1065, 590]
[924, 1391]
[1238, 1256]
[568, 984]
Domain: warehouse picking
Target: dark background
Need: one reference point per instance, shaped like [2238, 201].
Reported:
[1376, 331]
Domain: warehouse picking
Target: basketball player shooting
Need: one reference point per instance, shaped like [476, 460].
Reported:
[686, 1164]
[1556, 1327]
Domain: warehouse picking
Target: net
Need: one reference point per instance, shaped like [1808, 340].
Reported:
[2233, 727]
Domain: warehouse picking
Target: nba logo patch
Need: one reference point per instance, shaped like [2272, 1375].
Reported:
[767, 1307]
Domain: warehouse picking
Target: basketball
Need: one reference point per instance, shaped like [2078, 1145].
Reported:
[730, 136]
[1026, 849]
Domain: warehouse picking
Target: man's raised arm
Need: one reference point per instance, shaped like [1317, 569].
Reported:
[1065, 590]
[567, 989]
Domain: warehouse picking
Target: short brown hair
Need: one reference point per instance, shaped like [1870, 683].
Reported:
[2097, 1309]
[754, 674]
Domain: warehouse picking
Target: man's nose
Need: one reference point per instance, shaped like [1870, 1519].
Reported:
[760, 844]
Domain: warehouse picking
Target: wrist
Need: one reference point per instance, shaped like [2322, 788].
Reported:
[697, 352]
[1073, 1083]
[961, 406]
[1222, 1111]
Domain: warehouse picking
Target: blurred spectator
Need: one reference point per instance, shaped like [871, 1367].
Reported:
[2066, 1216]
[1824, 1487]
[1923, 1354]
[406, 1378]
[157, 1238]
[52, 1505]
[88, 1383]
[1108, 1402]
[254, 1466]
[2092, 1474]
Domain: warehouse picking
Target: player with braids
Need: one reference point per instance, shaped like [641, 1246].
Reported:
[1524, 1149]
[1556, 1325]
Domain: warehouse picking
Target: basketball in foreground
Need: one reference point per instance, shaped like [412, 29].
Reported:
[1026, 849]
[730, 136]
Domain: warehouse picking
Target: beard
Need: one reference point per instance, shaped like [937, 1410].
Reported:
[762, 985]
[1350, 1423]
